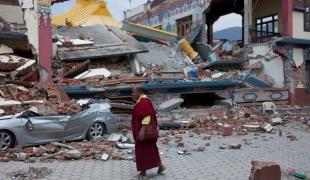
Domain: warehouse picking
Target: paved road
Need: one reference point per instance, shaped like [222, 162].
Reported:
[214, 163]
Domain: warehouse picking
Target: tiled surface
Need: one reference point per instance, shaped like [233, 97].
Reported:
[214, 163]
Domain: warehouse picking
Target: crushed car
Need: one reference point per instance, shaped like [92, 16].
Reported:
[30, 128]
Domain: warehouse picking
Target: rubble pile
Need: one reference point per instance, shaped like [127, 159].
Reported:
[97, 149]
[228, 122]
[215, 119]
[17, 98]
[16, 68]
[164, 58]
[161, 63]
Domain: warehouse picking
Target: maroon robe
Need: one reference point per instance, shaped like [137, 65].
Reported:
[147, 155]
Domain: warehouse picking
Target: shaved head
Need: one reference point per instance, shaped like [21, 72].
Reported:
[137, 92]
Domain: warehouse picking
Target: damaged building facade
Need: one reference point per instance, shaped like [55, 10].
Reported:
[88, 55]
[29, 32]
[25, 55]
[275, 33]
[178, 16]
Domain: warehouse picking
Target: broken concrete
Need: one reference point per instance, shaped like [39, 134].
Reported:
[171, 104]
[5, 50]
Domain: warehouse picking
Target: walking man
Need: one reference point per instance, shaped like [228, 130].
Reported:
[145, 133]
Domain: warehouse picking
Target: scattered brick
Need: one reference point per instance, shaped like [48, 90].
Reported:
[263, 170]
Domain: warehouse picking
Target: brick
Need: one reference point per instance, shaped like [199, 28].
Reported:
[264, 170]
[181, 144]
[201, 148]
[37, 152]
[227, 130]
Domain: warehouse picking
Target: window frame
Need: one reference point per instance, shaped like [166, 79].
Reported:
[259, 22]
[184, 25]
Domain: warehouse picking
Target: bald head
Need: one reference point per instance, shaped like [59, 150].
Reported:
[137, 92]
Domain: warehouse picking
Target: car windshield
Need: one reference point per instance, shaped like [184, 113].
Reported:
[28, 114]
[101, 107]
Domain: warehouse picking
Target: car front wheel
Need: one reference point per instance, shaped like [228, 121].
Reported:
[95, 131]
[6, 140]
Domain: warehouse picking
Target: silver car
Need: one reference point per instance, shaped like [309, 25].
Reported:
[29, 128]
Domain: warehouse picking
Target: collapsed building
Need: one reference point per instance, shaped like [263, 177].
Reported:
[170, 52]
[274, 33]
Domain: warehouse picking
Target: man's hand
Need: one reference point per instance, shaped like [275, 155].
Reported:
[141, 133]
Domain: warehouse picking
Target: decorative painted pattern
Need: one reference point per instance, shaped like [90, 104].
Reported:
[166, 15]
[261, 95]
[44, 11]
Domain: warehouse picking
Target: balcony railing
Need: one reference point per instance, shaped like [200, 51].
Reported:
[263, 36]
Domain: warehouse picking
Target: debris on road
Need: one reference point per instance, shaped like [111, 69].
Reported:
[72, 154]
[31, 173]
[125, 146]
[297, 174]
[105, 157]
[292, 137]
[275, 121]
[227, 130]
[114, 137]
[184, 152]
[234, 146]
[267, 127]
[63, 145]
[263, 170]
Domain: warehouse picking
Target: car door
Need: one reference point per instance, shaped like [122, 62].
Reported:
[78, 124]
[44, 129]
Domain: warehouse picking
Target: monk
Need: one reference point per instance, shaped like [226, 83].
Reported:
[144, 119]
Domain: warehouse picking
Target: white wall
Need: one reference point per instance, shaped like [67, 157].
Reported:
[298, 56]
[135, 11]
[11, 14]
[298, 26]
[272, 68]
[32, 23]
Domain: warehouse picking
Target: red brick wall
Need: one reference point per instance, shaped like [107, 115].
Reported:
[302, 97]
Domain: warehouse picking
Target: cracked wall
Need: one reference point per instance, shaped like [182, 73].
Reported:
[31, 20]
[272, 63]
[23, 14]
[7, 11]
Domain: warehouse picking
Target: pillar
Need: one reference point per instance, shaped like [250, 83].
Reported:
[287, 17]
[287, 30]
[45, 53]
[246, 22]
[210, 33]
[243, 28]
